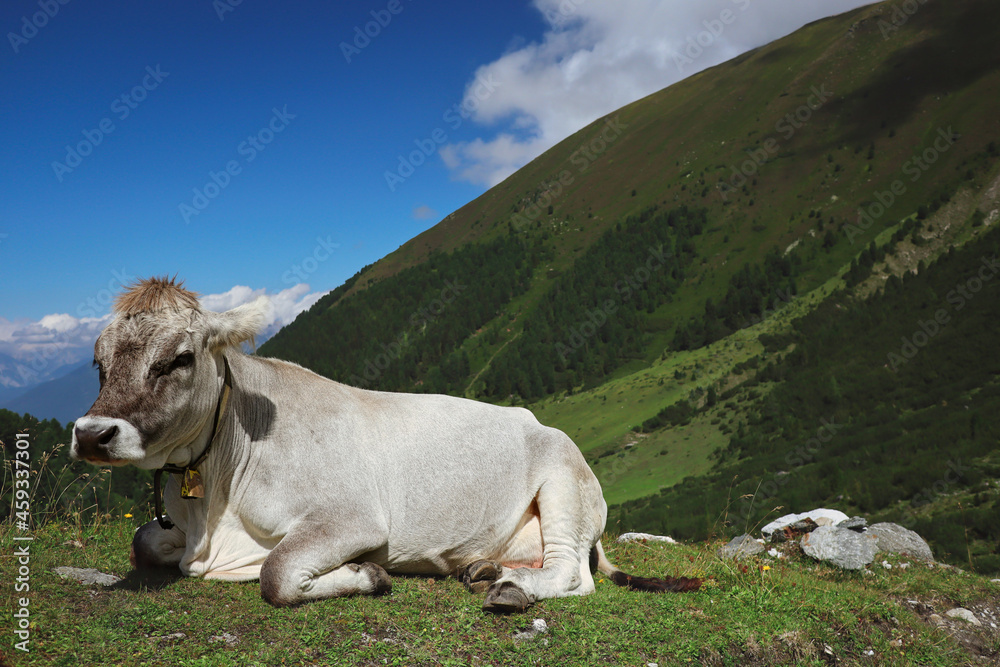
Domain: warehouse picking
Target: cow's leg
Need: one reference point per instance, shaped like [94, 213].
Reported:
[312, 562]
[571, 522]
[152, 547]
[478, 576]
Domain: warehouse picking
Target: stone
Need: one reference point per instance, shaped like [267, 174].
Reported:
[816, 514]
[741, 547]
[645, 537]
[964, 614]
[794, 531]
[840, 546]
[894, 539]
[538, 627]
[855, 523]
[226, 638]
[88, 576]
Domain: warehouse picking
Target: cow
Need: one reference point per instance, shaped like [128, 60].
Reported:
[320, 489]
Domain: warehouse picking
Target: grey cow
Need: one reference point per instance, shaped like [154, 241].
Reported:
[320, 489]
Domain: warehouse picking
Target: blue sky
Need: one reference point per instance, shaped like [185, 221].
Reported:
[245, 147]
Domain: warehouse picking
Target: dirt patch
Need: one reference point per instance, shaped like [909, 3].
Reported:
[982, 641]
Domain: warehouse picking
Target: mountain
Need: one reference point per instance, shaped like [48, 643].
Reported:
[781, 147]
[64, 399]
[744, 264]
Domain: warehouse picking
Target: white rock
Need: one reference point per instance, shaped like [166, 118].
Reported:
[964, 614]
[227, 638]
[639, 537]
[87, 576]
[538, 627]
[835, 516]
[887, 565]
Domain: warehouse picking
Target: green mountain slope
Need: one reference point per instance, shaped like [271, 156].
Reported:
[781, 146]
[764, 217]
[883, 406]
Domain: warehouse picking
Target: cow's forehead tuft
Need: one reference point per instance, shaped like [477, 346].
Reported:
[156, 294]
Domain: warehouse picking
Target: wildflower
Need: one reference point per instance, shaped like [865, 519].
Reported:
[128, 516]
[766, 568]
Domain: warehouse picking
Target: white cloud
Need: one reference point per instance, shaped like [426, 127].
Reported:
[38, 350]
[599, 55]
[285, 305]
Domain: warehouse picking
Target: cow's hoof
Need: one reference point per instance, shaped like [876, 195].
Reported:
[379, 578]
[478, 576]
[506, 598]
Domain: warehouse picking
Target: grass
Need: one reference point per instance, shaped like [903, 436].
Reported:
[766, 612]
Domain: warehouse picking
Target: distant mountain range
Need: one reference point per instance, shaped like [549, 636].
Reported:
[64, 399]
[65, 396]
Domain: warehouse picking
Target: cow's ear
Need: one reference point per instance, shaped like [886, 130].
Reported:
[237, 325]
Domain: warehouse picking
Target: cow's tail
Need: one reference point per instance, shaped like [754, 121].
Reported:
[651, 584]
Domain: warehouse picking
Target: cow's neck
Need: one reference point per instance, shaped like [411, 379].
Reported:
[192, 483]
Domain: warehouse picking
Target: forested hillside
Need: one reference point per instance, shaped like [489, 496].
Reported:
[881, 406]
[595, 317]
[59, 486]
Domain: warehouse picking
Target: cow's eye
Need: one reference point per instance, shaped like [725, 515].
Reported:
[162, 368]
[100, 371]
[182, 360]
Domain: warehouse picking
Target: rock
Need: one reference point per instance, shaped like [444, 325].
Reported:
[645, 537]
[169, 638]
[964, 614]
[935, 619]
[225, 637]
[855, 523]
[840, 546]
[894, 539]
[88, 576]
[816, 514]
[538, 627]
[794, 531]
[741, 547]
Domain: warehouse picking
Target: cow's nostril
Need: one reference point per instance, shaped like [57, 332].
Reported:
[91, 438]
[105, 436]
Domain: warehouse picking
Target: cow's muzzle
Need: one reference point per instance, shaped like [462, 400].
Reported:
[102, 440]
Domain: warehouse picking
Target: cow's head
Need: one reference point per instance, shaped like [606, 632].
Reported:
[161, 367]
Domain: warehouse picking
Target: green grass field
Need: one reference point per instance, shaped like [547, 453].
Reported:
[760, 612]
